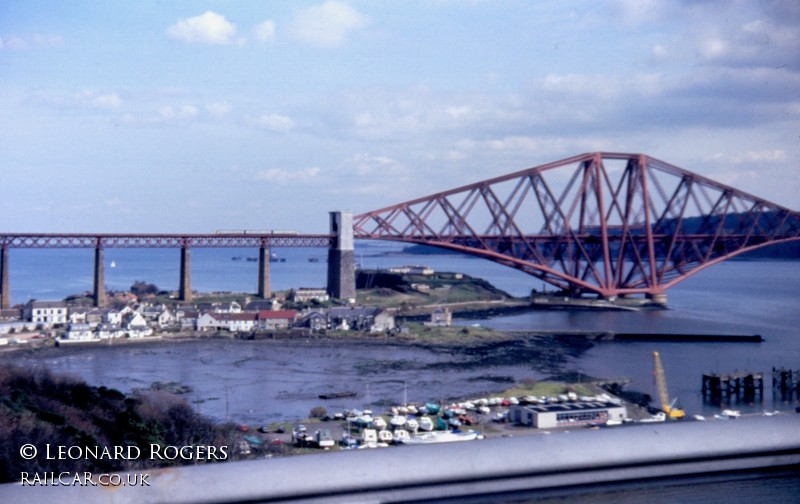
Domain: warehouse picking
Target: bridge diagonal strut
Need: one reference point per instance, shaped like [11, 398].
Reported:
[606, 223]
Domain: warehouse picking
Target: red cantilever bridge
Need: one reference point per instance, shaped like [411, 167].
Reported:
[606, 223]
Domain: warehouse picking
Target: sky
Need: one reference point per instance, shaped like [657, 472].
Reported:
[189, 117]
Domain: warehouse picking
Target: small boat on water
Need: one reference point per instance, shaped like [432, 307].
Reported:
[731, 413]
[379, 423]
[412, 425]
[338, 395]
[441, 437]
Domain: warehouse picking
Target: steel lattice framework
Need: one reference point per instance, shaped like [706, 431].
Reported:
[52, 240]
[608, 223]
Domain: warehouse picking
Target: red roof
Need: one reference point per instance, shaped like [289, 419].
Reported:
[277, 314]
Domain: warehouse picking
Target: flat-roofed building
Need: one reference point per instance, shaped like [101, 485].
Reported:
[306, 294]
[567, 414]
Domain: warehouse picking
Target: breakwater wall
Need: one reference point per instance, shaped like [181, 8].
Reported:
[680, 338]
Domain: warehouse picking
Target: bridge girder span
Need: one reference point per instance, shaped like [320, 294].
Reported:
[608, 223]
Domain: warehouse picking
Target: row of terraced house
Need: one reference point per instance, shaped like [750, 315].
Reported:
[145, 319]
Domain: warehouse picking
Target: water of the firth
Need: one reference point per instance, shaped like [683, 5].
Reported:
[264, 381]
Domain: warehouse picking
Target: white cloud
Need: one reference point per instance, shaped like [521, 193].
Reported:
[458, 112]
[637, 12]
[207, 28]
[327, 25]
[265, 31]
[768, 156]
[183, 113]
[13, 42]
[220, 109]
[366, 164]
[283, 176]
[109, 101]
[86, 99]
[273, 122]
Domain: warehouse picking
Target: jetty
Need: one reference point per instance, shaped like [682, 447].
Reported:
[786, 381]
[734, 385]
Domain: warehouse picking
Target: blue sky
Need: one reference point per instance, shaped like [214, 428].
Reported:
[151, 116]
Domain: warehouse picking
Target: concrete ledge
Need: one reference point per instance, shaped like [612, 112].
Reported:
[467, 469]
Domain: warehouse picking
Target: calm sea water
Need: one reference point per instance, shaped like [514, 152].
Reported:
[253, 381]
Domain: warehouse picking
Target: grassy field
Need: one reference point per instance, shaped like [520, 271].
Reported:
[391, 290]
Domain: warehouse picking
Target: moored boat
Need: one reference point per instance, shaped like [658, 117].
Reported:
[379, 423]
[324, 438]
[400, 436]
[432, 408]
[385, 436]
[398, 421]
[338, 395]
[441, 437]
[425, 424]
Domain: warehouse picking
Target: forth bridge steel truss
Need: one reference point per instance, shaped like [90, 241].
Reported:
[220, 239]
[608, 223]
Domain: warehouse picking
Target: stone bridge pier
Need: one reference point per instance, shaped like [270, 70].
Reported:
[341, 257]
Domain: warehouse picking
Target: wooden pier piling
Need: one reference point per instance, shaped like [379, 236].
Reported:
[739, 385]
[786, 381]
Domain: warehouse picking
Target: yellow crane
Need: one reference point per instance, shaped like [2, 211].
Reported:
[661, 384]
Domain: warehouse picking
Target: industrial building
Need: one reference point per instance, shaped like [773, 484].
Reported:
[567, 414]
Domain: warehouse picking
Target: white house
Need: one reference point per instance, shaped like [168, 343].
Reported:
[133, 319]
[234, 322]
[412, 269]
[165, 318]
[112, 317]
[109, 331]
[77, 315]
[305, 294]
[79, 332]
[139, 331]
[46, 313]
